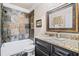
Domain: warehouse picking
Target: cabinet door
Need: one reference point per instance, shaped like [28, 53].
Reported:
[59, 51]
[43, 47]
[38, 52]
[43, 44]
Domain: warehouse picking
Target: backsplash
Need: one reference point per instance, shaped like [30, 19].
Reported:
[71, 36]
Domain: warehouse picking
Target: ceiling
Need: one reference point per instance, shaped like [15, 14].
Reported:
[24, 7]
[29, 6]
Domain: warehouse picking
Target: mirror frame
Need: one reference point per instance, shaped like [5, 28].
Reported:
[75, 24]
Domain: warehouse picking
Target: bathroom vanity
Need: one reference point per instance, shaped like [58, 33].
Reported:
[47, 47]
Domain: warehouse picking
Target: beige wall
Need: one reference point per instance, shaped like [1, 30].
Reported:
[40, 13]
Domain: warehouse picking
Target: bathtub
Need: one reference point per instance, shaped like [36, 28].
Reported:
[15, 47]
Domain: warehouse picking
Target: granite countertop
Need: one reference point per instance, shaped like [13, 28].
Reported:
[69, 44]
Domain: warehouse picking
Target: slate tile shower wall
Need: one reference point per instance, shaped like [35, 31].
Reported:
[14, 24]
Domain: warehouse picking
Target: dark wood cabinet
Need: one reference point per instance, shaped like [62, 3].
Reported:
[39, 52]
[43, 48]
[59, 51]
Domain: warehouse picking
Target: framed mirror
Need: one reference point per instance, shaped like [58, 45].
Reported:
[63, 18]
